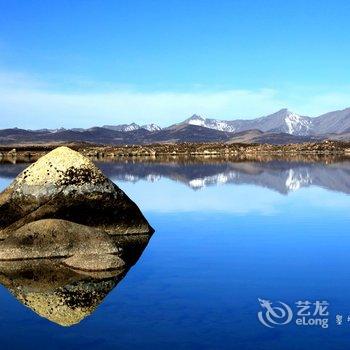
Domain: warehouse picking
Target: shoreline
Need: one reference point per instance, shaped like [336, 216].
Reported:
[327, 150]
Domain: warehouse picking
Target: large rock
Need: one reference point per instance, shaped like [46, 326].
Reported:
[68, 235]
[66, 185]
[53, 238]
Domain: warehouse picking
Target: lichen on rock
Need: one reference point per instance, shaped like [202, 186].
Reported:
[66, 185]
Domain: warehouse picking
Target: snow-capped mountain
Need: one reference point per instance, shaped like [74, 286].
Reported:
[122, 127]
[51, 130]
[281, 127]
[215, 124]
[297, 125]
[282, 121]
[132, 127]
[151, 127]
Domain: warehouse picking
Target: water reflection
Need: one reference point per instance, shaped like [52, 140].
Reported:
[279, 175]
[67, 294]
[283, 176]
[216, 251]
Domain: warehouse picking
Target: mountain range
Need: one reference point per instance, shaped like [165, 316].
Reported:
[283, 121]
[281, 127]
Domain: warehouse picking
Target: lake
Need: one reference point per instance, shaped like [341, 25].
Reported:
[245, 255]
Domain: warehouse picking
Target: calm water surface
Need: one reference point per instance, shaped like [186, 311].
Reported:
[227, 234]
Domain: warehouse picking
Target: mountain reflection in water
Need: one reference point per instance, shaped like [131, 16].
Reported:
[280, 175]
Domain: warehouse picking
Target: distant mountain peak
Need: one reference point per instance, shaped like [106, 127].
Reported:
[285, 110]
[219, 125]
[123, 127]
[298, 125]
[281, 112]
[195, 119]
[285, 121]
[132, 127]
[196, 116]
[282, 121]
[151, 127]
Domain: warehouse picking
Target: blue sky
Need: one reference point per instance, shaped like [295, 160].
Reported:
[84, 63]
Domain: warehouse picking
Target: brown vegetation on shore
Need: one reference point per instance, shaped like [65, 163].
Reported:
[311, 151]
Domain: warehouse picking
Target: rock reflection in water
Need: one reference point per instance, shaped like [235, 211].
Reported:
[67, 294]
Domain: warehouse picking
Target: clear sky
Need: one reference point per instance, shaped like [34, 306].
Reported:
[84, 63]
